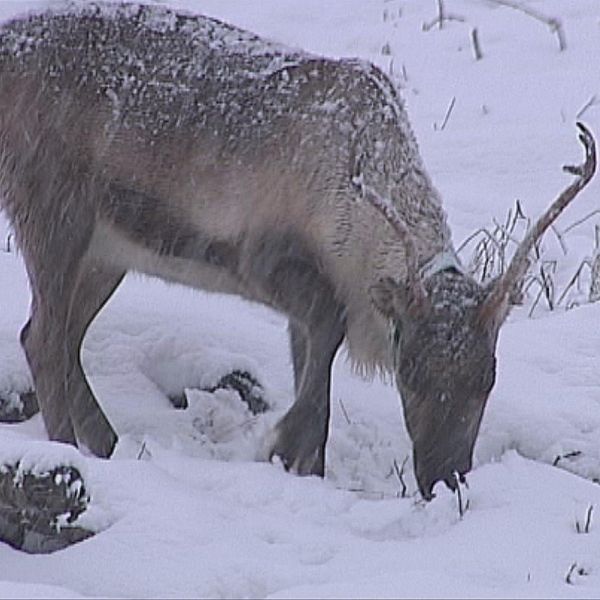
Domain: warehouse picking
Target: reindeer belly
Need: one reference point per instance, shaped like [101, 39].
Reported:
[197, 263]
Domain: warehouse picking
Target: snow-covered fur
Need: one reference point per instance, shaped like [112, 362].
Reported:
[136, 138]
[231, 134]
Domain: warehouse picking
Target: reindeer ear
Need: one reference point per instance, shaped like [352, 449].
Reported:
[395, 300]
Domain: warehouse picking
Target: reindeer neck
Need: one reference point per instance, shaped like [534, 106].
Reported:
[448, 285]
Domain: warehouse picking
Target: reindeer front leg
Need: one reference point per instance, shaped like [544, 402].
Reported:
[299, 350]
[295, 285]
[301, 435]
[95, 286]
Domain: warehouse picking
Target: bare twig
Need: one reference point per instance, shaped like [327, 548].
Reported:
[536, 301]
[588, 521]
[569, 575]
[559, 457]
[547, 271]
[391, 15]
[463, 507]
[442, 17]
[560, 238]
[143, 451]
[473, 235]
[593, 101]
[400, 474]
[580, 221]
[575, 279]
[344, 412]
[574, 569]
[374, 493]
[554, 24]
[489, 256]
[519, 215]
[447, 116]
[505, 233]
[404, 72]
[441, 11]
[476, 45]
[595, 266]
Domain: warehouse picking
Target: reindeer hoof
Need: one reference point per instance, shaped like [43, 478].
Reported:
[301, 449]
[97, 435]
[38, 511]
[102, 444]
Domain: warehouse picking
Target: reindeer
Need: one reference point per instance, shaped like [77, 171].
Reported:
[137, 138]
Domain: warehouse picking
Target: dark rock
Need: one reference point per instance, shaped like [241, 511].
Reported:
[38, 511]
[179, 401]
[250, 390]
[16, 407]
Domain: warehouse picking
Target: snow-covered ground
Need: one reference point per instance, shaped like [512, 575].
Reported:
[183, 509]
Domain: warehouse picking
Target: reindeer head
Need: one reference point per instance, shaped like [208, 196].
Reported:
[444, 330]
[444, 363]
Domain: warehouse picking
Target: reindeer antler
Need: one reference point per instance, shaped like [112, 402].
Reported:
[520, 261]
[385, 207]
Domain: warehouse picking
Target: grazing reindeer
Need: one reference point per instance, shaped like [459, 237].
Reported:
[136, 138]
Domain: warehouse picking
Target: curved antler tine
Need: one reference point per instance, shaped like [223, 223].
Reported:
[586, 170]
[413, 279]
[495, 304]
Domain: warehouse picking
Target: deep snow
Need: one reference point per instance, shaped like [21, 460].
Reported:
[184, 510]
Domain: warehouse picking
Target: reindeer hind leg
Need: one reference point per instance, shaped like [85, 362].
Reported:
[52, 207]
[42, 347]
[95, 286]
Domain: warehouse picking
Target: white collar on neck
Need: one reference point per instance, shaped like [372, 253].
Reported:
[446, 259]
